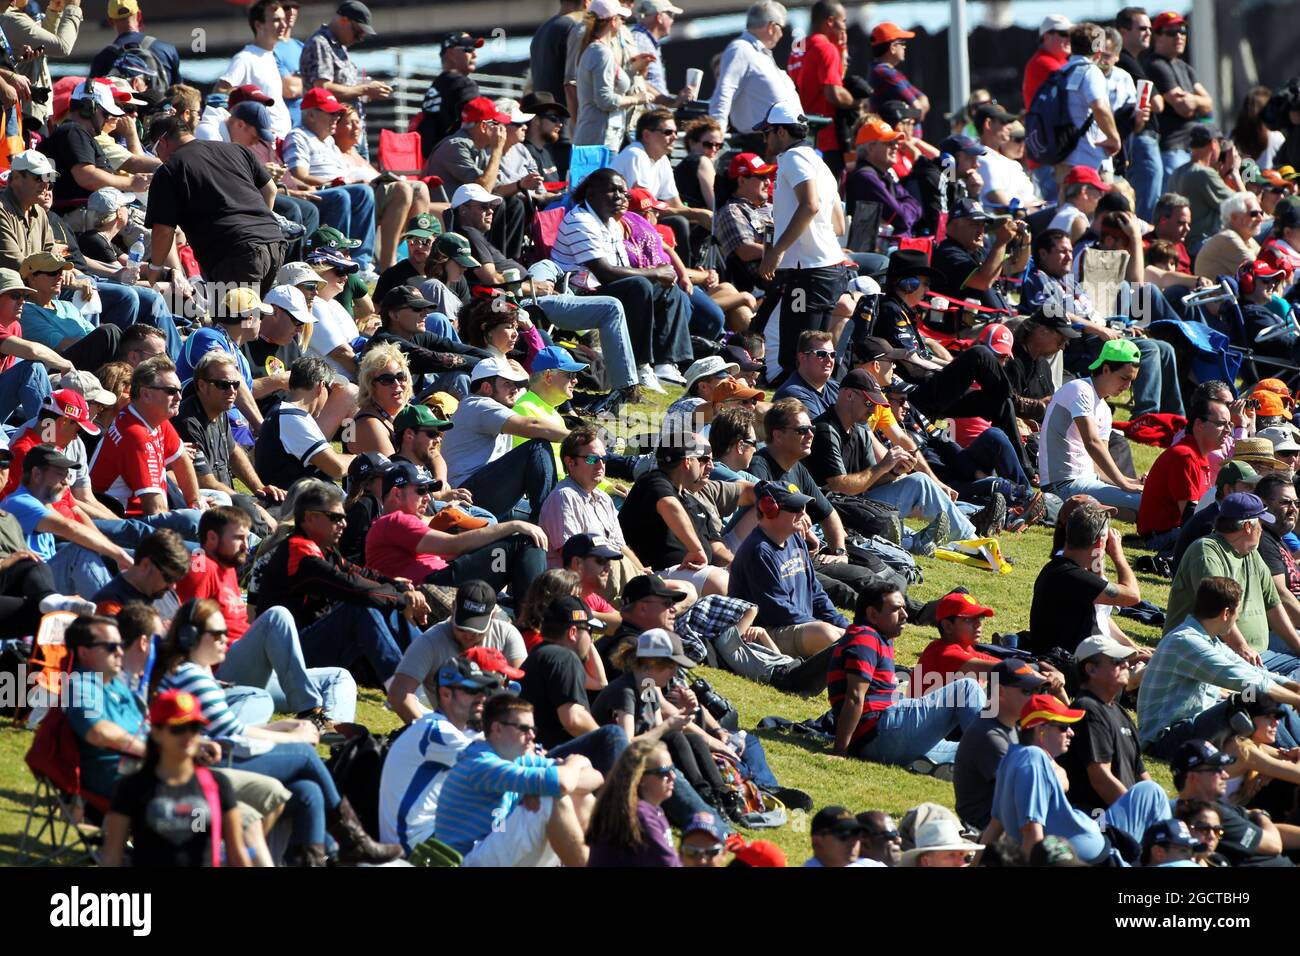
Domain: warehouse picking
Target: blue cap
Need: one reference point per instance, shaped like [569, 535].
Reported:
[1170, 833]
[705, 823]
[1242, 505]
[257, 116]
[962, 144]
[554, 357]
[787, 497]
[1199, 753]
[133, 63]
[325, 256]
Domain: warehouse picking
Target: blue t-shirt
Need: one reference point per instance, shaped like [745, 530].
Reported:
[200, 344]
[89, 701]
[51, 326]
[30, 512]
[1028, 791]
[288, 57]
[482, 789]
[796, 387]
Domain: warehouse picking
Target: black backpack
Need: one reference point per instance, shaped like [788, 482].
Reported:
[356, 766]
[158, 82]
[1050, 136]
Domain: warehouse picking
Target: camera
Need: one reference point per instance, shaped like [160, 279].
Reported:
[1252, 404]
[40, 94]
[710, 699]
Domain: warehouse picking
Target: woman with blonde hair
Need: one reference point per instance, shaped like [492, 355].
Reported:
[384, 389]
[628, 826]
[1264, 776]
[607, 85]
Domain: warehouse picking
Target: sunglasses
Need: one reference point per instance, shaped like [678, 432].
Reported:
[171, 390]
[52, 272]
[749, 442]
[595, 459]
[528, 730]
[392, 378]
[217, 633]
[670, 133]
[888, 835]
[1206, 828]
[1176, 32]
[822, 354]
[801, 429]
[1059, 33]
[226, 385]
[431, 432]
[702, 852]
[184, 730]
[663, 772]
[17, 296]
[336, 517]
[711, 143]
[473, 691]
[553, 118]
[111, 646]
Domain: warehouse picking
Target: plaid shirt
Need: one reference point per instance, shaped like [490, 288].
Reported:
[326, 60]
[738, 222]
[705, 620]
[1185, 676]
[889, 83]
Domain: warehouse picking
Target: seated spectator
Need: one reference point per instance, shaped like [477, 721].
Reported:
[960, 620]
[478, 449]
[417, 762]
[474, 623]
[1203, 820]
[589, 558]
[697, 171]
[872, 722]
[421, 232]
[1169, 843]
[940, 844]
[743, 220]
[291, 445]
[161, 561]
[837, 840]
[644, 164]
[417, 434]
[812, 381]
[543, 131]
[1236, 476]
[875, 181]
[1200, 182]
[527, 833]
[1180, 476]
[734, 441]
[702, 844]
[1182, 690]
[383, 390]
[1029, 799]
[1260, 285]
[1173, 224]
[550, 385]
[58, 324]
[343, 612]
[518, 167]
[236, 321]
[985, 742]
[334, 332]
[24, 381]
[1005, 180]
[437, 363]
[647, 602]
[362, 505]
[880, 838]
[970, 264]
[643, 838]
[498, 326]
[1223, 253]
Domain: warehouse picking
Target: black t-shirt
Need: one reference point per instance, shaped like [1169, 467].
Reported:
[213, 191]
[68, 146]
[97, 246]
[1105, 735]
[361, 515]
[393, 276]
[169, 824]
[686, 175]
[485, 252]
[1175, 130]
[553, 677]
[621, 694]
[443, 101]
[546, 55]
[1241, 839]
[764, 466]
[120, 592]
[645, 530]
[957, 264]
[65, 235]
[1062, 613]
[1278, 560]
[836, 452]
[1127, 61]
[211, 436]
[542, 157]
[266, 358]
[1029, 377]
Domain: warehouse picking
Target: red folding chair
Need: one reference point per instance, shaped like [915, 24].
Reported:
[56, 825]
[401, 155]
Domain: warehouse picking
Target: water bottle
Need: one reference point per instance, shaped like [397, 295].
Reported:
[136, 255]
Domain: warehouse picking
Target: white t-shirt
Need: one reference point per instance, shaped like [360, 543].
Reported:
[411, 782]
[212, 124]
[653, 175]
[1276, 139]
[1065, 216]
[321, 156]
[1061, 454]
[254, 65]
[818, 247]
[1087, 85]
[1001, 174]
[301, 437]
[334, 327]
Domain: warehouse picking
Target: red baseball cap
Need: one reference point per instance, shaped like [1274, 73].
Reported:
[319, 98]
[888, 33]
[1088, 176]
[248, 91]
[749, 164]
[997, 337]
[1167, 19]
[481, 109]
[172, 708]
[72, 404]
[1045, 709]
[492, 659]
[960, 604]
[640, 200]
[758, 853]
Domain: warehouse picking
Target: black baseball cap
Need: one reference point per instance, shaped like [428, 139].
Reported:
[403, 474]
[6, 456]
[462, 40]
[405, 297]
[47, 456]
[967, 208]
[735, 355]
[367, 465]
[1055, 322]
[649, 585]
[1196, 754]
[1017, 674]
[359, 14]
[787, 497]
[1259, 705]
[861, 379]
[895, 111]
[588, 545]
[873, 348]
[836, 820]
[565, 612]
[475, 602]
[988, 111]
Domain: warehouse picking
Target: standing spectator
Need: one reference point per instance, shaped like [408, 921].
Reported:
[1146, 170]
[54, 36]
[1185, 100]
[256, 64]
[1052, 52]
[1005, 180]
[1199, 181]
[547, 58]
[1087, 99]
[441, 112]
[607, 89]
[124, 16]
[750, 84]
[325, 61]
[888, 83]
[654, 23]
[1252, 136]
[1234, 245]
[288, 57]
[817, 68]
[221, 196]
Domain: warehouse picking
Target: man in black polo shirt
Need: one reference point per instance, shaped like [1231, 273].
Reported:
[968, 268]
[1104, 760]
[450, 90]
[221, 195]
[79, 160]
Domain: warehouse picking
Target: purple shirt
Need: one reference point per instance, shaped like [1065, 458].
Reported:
[898, 207]
[656, 850]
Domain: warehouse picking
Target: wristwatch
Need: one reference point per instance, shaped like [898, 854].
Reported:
[834, 552]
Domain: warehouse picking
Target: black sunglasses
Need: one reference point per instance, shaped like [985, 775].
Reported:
[336, 517]
[110, 646]
[801, 429]
[181, 730]
[664, 772]
[702, 852]
[1177, 31]
[225, 384]
[169, 389]
[822, 354]
[889, 835]
[391, 378]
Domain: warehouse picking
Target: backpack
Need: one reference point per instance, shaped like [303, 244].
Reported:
[756, 808]
[885, 559]
[1050, 136]
[868, 517]
[356, 766]
[157, 82]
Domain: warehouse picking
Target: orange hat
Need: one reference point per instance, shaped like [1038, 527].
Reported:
[1274, 385]
[453, 520]
[877, 131]
[1271, 404]
[732, 389]
[959, 604]
[172, 708]
[1046, 709]
[888, 33]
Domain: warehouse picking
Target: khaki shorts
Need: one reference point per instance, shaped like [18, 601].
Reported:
[790, 640]
[257, 791]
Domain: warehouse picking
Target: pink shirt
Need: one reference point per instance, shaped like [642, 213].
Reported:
[391, 545]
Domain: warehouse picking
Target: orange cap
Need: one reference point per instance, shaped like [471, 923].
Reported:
[877, 131]
[888, 33]
[453, 519]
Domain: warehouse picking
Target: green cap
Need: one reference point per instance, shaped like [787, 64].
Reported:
[457, 248]
[1120, 351]
[1251, 174]
[329, 237]
[418, 416]
[1234, 472]
[423, 226]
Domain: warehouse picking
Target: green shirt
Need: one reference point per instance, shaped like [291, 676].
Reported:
[532, 405]
[1213, 557]
[355, 288]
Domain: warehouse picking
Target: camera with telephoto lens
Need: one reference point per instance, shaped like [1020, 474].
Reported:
[710, 699]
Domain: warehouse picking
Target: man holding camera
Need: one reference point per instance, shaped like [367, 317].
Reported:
[24, 33]
[969, 265]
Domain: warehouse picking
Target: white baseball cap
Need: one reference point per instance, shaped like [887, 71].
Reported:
[473, 192]
[35, 162]
[785, 113]
[88, 385]
[291, 299]
[604, 9]
[102, 94]
[1056, 21]
[494, 367]
[511, 108]
[1103, 644]
[298, 273]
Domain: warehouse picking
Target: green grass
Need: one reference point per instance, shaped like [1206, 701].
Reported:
[797, 762]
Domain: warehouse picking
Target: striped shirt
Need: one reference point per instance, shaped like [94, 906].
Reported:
[414, 771]
[481, 790]
[212, 699]
[582, 238]
[889, 83]
[864, 653]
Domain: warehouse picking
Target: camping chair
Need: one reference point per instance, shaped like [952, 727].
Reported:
[56, 826]
[585, 160]
[864, 226]
[400, 155]
[1101, 276]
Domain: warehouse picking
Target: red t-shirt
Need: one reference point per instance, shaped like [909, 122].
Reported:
[1040, 66]
[132, 459]
[13, 328]
[1181, 473]
[66, 505]
[818, 65]
[597, 603]
[1184, 257]
[211, 579]
[948, 658]
[391, 545]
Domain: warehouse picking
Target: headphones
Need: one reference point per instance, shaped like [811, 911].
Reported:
[767, 507]
[909, 285]
[1239, 720]
[1251, 272]
[187, 635]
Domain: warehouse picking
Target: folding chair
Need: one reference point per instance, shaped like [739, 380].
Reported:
[585, 160]
[401, 155]
[56, 826]
[864, 226]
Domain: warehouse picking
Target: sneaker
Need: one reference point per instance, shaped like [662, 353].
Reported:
[649, 380]
[66, 602]
[925, 542]
[991, 519]
[928, 768]
[667, 372]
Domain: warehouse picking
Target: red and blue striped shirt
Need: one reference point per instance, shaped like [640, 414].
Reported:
[865, 654]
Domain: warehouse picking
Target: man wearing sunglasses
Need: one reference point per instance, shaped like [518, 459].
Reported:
[644, 164]
[1201, 182]
[837, 840]
[1186, 101]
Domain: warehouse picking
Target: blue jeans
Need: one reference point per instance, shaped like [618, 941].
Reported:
[526, 470]
[298, 767]
[270, 651]
[250, 704]
[686, 802]
[1212, 721]
[1147, 174]
[1156, 388]
[605, 313]
[707, 317]
[1280, 658]
[1143, 805]
[920, 493]
[79, 570]
[125, 305]
[1104, 492]
[351, 210]
[915, 727]
[351, 632]
[513, 562]
[24, 387]
[602, 747]
[124, 532]
[1172, 159]
[754, 761]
